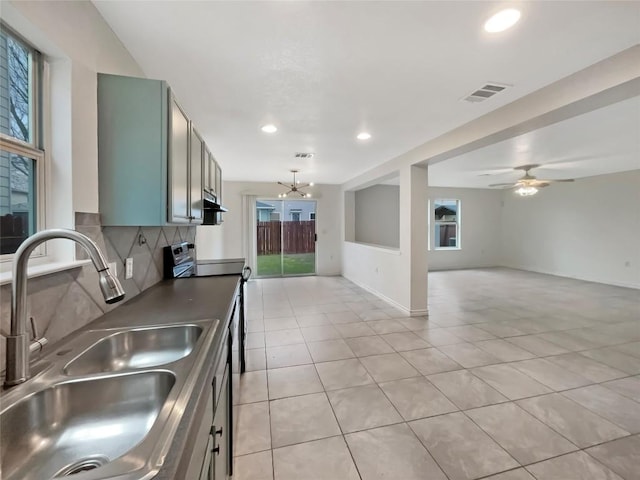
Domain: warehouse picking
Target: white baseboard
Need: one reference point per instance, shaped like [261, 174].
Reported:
[576, 277]
[393, 303]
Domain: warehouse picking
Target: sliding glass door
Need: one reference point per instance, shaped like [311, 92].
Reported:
[285, 237]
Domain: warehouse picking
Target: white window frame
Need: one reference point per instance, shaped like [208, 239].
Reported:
[32, 150]
[432, 228]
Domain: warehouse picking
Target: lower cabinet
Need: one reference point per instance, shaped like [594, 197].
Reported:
[221, 429]
[200, 460]
[211, 454]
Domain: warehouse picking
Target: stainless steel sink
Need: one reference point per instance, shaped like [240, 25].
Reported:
[99, 407]
[78, 426]
[139, 348]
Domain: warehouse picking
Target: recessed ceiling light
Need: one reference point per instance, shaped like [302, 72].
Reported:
[363, 136]
[269, 128]
[502, 20]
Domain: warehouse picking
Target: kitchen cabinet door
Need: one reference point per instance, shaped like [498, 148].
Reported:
[195, 177]
[206, 170]
[221, 432]
[178, 164]
[200, 461]
[218, 183]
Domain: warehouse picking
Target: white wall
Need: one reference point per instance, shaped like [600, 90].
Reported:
[398, 275]
[377, 215]
[228, 240]
[480, 229]
[588, 230]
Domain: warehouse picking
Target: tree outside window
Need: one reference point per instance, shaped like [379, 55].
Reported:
[19, 152]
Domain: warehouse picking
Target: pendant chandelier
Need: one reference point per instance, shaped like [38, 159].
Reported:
[294, 187]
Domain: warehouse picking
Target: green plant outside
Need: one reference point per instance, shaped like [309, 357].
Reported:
[292, 264]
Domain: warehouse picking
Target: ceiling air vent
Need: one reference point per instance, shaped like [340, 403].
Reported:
[304, 155]
[485, 92]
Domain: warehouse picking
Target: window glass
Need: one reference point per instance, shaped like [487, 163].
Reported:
[446, 226]
[20, 156]
[16, 94]
[17, 200]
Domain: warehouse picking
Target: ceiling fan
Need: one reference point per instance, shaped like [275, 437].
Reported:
[295, 187]
[528, 184]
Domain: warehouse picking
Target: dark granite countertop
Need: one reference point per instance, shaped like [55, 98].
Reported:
[178, 300]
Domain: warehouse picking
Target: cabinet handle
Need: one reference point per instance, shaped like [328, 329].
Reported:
[219, 432]
[216, 450]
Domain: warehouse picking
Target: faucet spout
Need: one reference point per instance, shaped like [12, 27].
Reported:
[18, 341]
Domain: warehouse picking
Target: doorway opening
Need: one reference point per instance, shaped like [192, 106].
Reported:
[285, 237]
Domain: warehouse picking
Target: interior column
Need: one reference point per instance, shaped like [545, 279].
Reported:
[414, 235]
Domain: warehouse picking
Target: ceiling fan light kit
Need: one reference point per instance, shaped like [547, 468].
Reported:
[529, 184]
[526, 191]
[295, 187]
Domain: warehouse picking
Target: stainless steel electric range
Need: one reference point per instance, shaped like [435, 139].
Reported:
[180, 262]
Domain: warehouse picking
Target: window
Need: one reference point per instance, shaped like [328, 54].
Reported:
[21, 156]
[295, 214]
[312, 215]
[446, 224]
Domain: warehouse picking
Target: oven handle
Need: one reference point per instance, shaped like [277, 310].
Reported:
[246, 273]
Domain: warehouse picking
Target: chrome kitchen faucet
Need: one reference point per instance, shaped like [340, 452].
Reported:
[18, 346]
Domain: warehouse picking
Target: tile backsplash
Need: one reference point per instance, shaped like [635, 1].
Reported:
[65, 301]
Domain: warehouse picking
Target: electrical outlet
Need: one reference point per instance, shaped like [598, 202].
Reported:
[128, 271]
[113, 268]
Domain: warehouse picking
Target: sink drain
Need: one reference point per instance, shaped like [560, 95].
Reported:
[83, 465]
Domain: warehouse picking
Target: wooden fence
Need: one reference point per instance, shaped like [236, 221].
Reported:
[296, 237]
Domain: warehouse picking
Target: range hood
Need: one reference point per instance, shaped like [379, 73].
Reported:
[211, 210]
[212, 204]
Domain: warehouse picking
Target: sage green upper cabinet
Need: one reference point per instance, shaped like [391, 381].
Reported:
[179, 165]
[195, 172]
[218, 184]
[206, 175]
[211, 179]
[147, 173]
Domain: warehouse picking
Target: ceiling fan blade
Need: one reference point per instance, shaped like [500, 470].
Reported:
[490, 172]
[503, 185]
[562, 180]
[536, 183]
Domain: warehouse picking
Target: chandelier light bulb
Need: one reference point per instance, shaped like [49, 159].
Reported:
[295, 187]
[363, 136]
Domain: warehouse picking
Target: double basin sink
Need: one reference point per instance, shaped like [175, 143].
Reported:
[107, 406]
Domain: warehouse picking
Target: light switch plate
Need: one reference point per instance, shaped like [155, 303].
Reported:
[128, 271]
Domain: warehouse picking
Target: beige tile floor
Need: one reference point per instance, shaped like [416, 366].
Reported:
[513, 375]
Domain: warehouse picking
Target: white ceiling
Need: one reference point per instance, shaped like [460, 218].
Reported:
[602, 141]
[323, 71]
